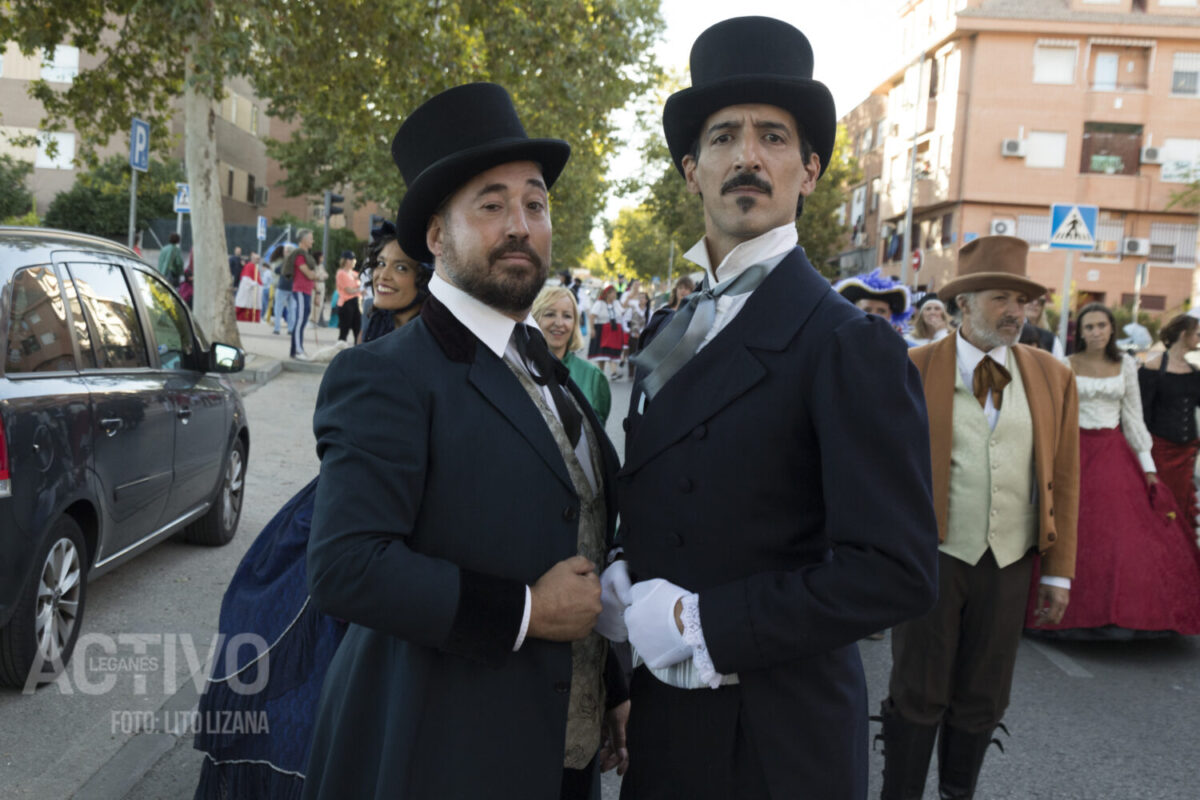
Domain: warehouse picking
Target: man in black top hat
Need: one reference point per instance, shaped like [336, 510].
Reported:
[465, 496]
[762, 417]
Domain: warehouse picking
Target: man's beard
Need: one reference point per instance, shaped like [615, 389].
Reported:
[506, 292]
[991, 338]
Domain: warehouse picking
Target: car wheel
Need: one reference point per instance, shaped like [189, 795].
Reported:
[45, 624]
[220, 523]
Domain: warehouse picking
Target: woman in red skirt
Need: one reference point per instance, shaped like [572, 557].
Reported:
[1170, 393]
[1137, 572]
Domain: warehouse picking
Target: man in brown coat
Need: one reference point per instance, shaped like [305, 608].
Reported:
[1004, 446]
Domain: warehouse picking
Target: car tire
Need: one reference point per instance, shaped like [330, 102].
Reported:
[220, 522]
[56, 591]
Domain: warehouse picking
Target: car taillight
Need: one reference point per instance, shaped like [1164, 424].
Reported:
[5, 481]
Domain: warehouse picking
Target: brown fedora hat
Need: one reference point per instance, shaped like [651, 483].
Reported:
[992, 262]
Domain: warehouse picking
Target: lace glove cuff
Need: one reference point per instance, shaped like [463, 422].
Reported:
[693, 635]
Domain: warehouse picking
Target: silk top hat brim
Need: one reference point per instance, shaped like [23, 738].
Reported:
[450, 139]
[751, 60]
[992, 262]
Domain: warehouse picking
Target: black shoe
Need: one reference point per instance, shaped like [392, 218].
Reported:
[960, 758]
[907, 748]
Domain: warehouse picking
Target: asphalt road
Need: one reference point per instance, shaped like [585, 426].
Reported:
[1113, 721]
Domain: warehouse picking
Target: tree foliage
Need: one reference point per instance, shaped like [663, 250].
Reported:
[349, 73]
[638, 246]
[98, 203]
[15, 198]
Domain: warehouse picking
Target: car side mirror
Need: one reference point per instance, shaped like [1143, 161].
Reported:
[226, 358]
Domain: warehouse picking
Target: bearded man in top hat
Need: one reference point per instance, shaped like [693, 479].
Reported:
[465, 495]
[1004, 433]
[759, 414]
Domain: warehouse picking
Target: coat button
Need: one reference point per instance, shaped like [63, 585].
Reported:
[562, 687]
[1050, 537]
[685, 485]
[1050, 486]
[677, 539]
[1052, 512]
[570, 514]
[700, 432]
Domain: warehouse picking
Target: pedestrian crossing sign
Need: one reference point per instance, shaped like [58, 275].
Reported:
[1073, 227]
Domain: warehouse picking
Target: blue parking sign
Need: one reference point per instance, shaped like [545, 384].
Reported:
[139, 145]
[262, 229]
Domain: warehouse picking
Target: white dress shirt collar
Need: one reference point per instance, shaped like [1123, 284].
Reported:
[489, 325]
[775, 242]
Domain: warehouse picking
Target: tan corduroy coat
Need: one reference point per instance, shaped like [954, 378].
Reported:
[1054, 406]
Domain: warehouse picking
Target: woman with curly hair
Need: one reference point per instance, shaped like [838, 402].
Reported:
[268, 600]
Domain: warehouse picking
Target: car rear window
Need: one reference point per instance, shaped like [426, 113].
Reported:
[108, 303]
[38, 337]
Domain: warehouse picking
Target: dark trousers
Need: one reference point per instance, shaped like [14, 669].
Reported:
[581, 784]
[691, 743]
[956, 663]
[349, 320]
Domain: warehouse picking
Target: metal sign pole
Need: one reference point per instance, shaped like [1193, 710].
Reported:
[1066, 298]
[132, 205]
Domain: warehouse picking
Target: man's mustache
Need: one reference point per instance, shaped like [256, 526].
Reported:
[514, 247]
[746, 179]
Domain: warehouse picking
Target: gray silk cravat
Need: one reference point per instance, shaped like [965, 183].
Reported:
[679, 341]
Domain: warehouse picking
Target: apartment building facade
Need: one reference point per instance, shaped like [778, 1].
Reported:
[1014, 105]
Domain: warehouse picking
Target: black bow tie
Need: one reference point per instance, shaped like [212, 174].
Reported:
[546, 370]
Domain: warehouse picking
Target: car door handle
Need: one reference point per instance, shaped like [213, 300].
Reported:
[112, 425]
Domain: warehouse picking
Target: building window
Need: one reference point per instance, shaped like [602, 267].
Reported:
[881, 132]
[1111, 148]
[1110, 232]
[1185, 75]
[1173, 244]
[1180, 3]
[947, 229]
[933, 78]
[1034, 228]
[1181, 161]
[1046, 149]
[229, 184]
[1054, 63]
[60, 65]
[254, 120]
[249, 188]
[1150, 302]
[63, 147]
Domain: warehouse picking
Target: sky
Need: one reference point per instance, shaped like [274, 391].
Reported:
[855, 46]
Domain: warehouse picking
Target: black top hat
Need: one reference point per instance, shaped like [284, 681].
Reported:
[751, 60]
[450, 139]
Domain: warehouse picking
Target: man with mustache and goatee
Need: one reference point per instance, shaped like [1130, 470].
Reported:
[1004, 428]
[466, 495]
[771, 421]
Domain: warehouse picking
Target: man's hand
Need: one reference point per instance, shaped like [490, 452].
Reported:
[1051, 604]
[613, 752]
[652, 625]
[565, 601]
[615, 596]
[1151, 480]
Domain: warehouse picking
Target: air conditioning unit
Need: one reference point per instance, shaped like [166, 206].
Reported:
[1002, 227]
[1136, 247]
[1013, 148]
[1152, 155]
[262, 195]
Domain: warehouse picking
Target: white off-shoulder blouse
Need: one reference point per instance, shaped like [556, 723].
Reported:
[1109, 402]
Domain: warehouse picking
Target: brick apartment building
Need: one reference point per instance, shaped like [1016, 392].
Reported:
[249, 178]
[1024, 103]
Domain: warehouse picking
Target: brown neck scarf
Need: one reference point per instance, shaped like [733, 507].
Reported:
[989, 377]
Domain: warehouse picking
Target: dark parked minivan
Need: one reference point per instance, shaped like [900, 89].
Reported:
[117, 430]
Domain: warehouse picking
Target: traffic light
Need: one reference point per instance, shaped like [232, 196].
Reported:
[331, 201]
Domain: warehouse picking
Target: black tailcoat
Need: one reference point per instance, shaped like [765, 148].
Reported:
[442, 494]
[783, 473]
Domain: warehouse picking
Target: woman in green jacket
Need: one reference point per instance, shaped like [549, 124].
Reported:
[558, 316]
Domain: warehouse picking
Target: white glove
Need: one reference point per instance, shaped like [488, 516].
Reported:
[650, 620]
[615, 596]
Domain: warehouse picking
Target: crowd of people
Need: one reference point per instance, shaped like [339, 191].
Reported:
[451, 607]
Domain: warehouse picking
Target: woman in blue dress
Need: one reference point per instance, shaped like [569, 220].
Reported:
[275, 646]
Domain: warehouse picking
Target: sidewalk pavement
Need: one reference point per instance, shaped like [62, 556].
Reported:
[267, 354]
